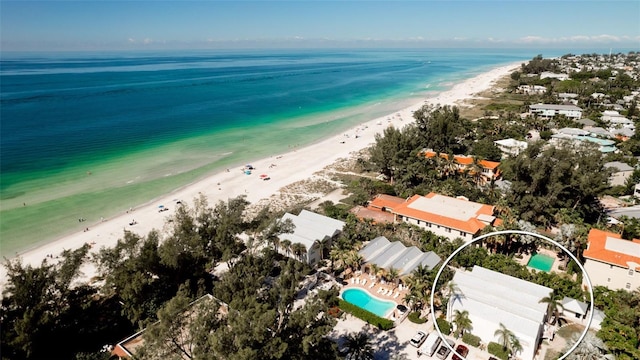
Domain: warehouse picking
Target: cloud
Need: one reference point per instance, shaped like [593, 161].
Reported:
[603, 38]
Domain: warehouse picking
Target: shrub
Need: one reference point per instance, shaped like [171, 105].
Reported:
[471, 339]
[497, 350]
[371, 318]
[444, 326]
[414, 317]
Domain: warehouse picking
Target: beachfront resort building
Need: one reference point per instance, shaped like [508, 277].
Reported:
[551, 110]
[312, 230]
[386, 255]
[612, 261]
[446, 216]
[493, 298]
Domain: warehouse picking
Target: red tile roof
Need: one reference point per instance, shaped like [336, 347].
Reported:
[471, 225]
[597, 250]
[120, 352]
[464, 159]
[386, 201]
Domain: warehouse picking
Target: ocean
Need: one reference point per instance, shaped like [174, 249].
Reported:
[87, 135]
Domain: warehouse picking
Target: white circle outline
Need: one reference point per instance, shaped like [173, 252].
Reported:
[519, 232]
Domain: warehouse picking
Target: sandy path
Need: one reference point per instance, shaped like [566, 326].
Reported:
[283, 169]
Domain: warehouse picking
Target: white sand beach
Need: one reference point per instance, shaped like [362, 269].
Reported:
[283, 169]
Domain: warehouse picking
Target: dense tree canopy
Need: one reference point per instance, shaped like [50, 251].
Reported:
[547, 181]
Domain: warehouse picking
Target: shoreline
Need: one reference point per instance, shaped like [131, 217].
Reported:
[283, 169]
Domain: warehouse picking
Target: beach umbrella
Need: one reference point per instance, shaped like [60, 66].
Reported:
[160, 206]
[264, 176]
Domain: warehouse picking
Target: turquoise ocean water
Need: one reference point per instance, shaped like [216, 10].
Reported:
[87, 135]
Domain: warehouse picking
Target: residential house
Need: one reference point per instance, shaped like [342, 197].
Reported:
[620, 172]
[493, 298]
[447, 216]
[551, 110]
[549, 74]
[531, 89]
[612, 261]
[573, 309]
[511, 147]
[312, 230]
[586, 122]
[488, 169]
[386, 254]
[127, 348]
[571, 98]
[580, 135]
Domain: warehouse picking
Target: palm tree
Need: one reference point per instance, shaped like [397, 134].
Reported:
[504, 337]
[590, 348]
[338, 257]
[462, 321]
[358, 347]
[355, 260]
[286, 246]
[514, 344]
[553, 303]
[298, 250]
[393, 275]
[453, 292]
[373, 269]
[476, 172]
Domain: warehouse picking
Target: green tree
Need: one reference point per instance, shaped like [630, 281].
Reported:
[182, 330]
[504, 337]
[462, 322]
[45, 306]
[546, 181]
[553, 304]
[358, 347]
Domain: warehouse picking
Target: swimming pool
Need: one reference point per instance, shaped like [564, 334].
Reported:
[541, 262]
[362, 298]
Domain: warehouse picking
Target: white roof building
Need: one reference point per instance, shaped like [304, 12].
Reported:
[551, 110]
[387, 254]
[549, 74]
[492, 298]
[510, 146]
[310, 230]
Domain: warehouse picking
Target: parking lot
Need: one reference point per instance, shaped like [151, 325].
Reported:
[395, 343]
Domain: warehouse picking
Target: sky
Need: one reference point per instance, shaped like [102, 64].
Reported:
[122, 25]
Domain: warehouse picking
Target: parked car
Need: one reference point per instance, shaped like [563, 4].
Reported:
[462, 350]
[443, 350]
[418, 338]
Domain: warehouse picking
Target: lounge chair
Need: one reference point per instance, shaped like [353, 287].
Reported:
[373, 283]
[380, 290]
[396, 295]
[364, 282]
[353, 280]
